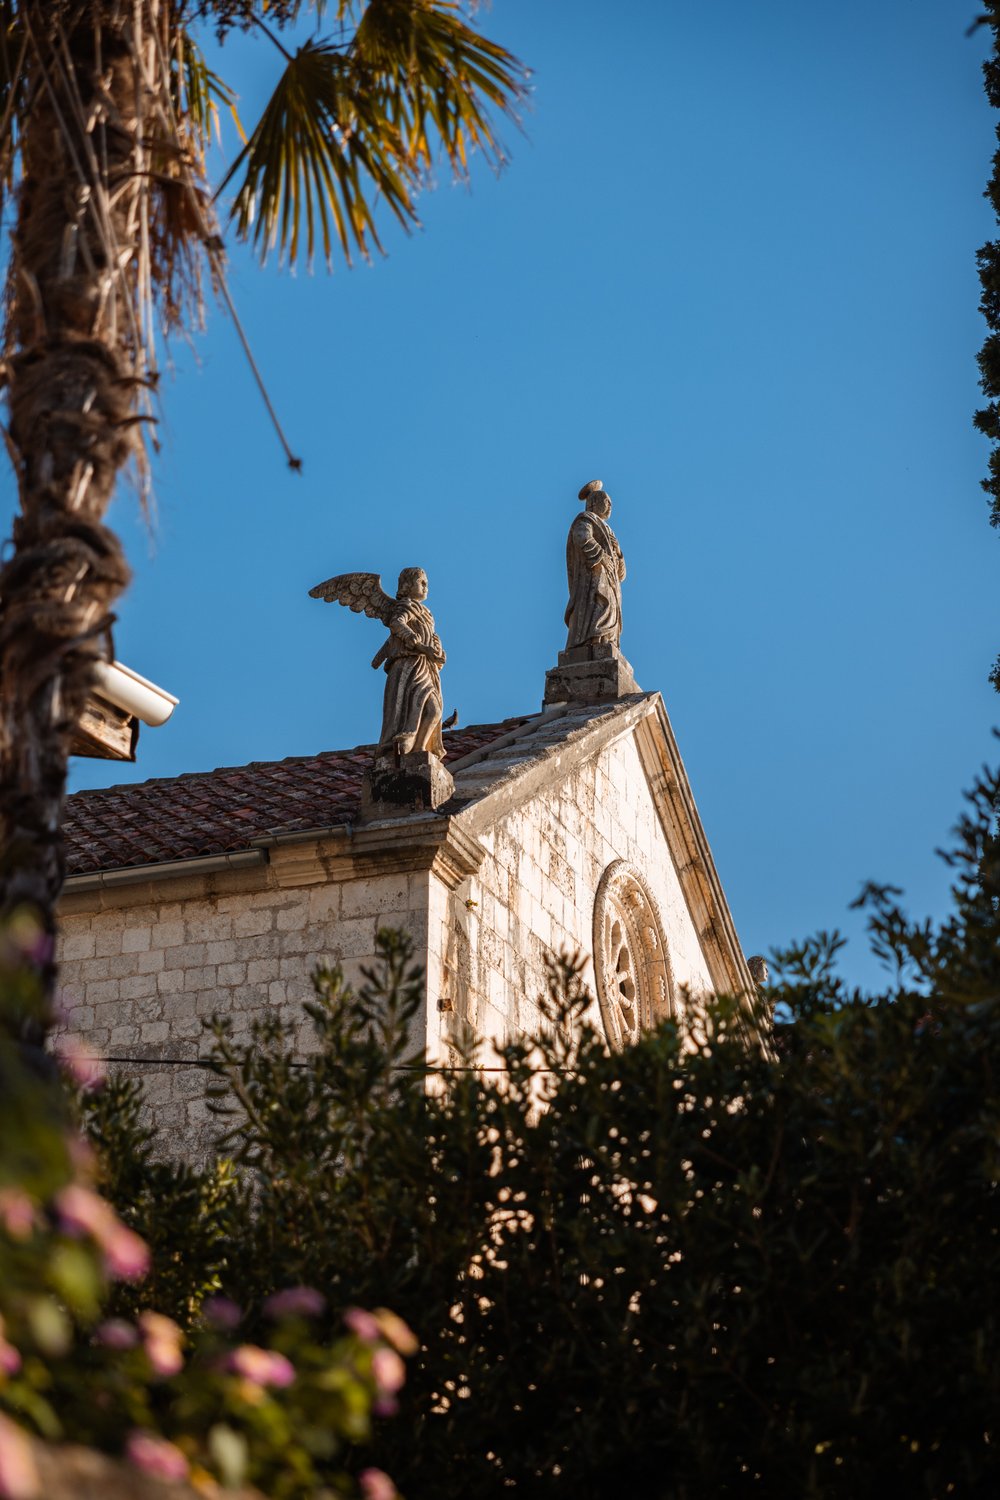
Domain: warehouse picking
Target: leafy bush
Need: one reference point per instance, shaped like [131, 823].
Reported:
[88, 1352]
[697, 1267]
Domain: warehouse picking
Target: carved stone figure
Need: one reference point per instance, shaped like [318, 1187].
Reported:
[412, 657]
[758, 968]
[592, 668]
[595, 568]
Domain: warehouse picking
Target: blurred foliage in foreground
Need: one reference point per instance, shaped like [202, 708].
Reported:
[702, 1269]
[191, 1399]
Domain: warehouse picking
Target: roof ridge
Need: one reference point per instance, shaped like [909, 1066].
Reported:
[256, 765]
[225, 809]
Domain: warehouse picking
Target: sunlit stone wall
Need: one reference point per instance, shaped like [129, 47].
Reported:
[138, 978]
[534, 895]
[144, 965]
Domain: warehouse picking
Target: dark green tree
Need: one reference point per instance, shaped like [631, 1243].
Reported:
[696, 1267]
[988, 258]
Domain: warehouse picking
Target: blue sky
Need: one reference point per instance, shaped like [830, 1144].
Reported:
[729, 271]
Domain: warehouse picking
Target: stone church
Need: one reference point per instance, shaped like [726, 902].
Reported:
[571, 829]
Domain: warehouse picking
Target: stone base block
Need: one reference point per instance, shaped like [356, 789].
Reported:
[589, 674]
[398, 784]
[598, 651]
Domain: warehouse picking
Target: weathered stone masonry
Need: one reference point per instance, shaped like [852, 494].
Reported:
[504, 873]
[534, 895]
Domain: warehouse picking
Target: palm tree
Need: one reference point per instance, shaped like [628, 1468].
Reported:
[106, 112]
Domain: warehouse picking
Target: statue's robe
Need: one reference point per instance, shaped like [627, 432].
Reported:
[412, 704]
[595, 568]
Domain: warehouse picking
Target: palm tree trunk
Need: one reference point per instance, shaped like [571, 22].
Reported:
[72, 372]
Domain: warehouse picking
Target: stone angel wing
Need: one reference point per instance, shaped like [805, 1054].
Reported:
[359, 591]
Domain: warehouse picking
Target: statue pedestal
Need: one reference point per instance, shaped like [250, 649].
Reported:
[397, 784]
[589, 674]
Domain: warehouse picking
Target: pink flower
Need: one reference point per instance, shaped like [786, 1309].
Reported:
[117, 1334]
[155, 1455]
[261, 1366]
[17, 1213]
[295, 1302]
[18, 1471]
[84, 1069]
[162, 1339]
[388, 1371]
[126, 1254]
[399, 1334]
[222, 1312]
[82, 1157]
[363, 1324]
[376, 1485]
[28, 938]
[42, 949]
[82, 1211]
[385, 1406]
[10, 1358]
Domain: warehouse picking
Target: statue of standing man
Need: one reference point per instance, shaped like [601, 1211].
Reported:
[592, 668]
[595, 568]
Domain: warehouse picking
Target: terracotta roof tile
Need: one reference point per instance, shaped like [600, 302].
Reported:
[222, 811]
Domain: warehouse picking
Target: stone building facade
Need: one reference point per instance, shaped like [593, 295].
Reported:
[569, 830]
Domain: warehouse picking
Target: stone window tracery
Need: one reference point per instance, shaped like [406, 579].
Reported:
[631, 964]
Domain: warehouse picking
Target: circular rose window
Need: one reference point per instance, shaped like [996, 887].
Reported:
[630, 956]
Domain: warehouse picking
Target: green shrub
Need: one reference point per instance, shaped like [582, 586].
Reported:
[702, 1268]
[88, 1351]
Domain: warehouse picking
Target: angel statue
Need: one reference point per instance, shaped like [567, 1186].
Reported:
[412, 656]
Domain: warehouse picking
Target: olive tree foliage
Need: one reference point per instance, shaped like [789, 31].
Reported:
[107, 111]
[691, 1268]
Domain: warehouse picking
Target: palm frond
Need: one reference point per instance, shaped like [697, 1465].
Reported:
[436, 71]
[277, 13]
[13, 47]
[324, 141]
[352, 123]
[197, 93]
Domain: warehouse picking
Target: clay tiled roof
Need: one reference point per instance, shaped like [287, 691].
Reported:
[223, 811]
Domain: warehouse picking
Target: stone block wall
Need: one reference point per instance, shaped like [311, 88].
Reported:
[534, 894]
[144, 965]
[139, 977]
